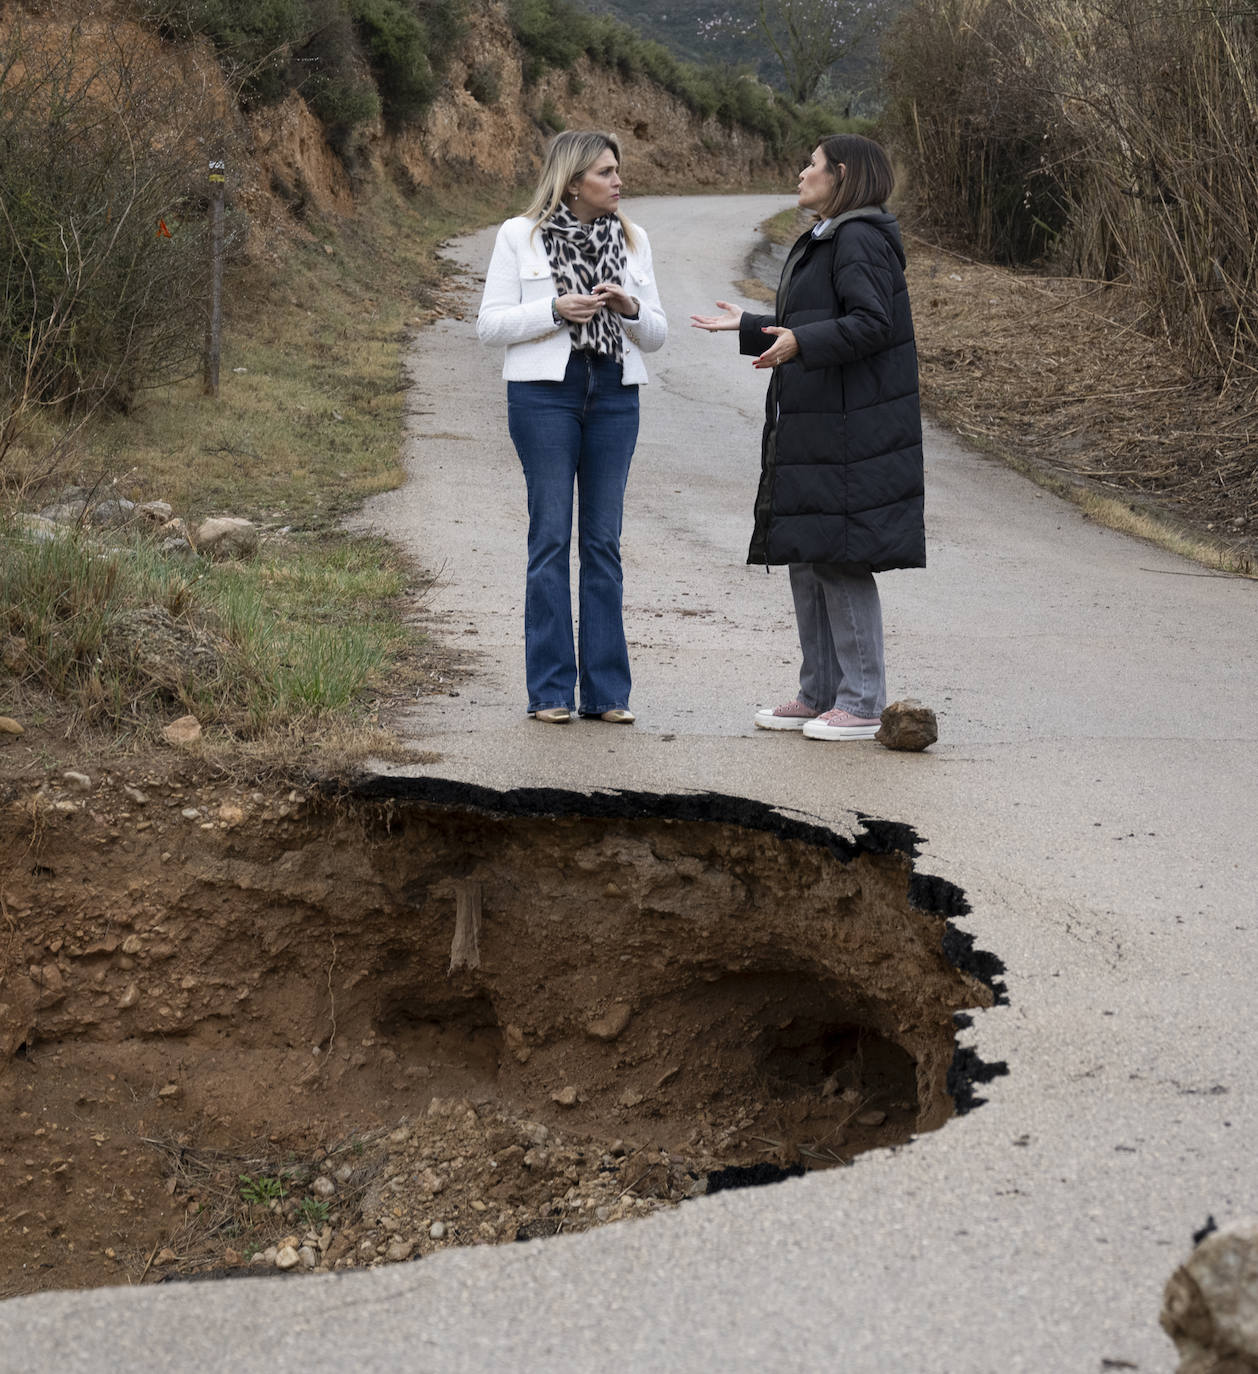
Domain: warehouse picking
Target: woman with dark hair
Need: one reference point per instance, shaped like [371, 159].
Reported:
[571, 294]
[841, 488]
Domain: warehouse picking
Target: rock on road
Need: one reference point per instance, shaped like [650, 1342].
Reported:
[1092, 792]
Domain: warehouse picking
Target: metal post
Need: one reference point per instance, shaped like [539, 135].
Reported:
[214, 326]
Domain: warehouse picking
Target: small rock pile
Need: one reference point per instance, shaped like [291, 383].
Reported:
[218, 537]
[461, 1175]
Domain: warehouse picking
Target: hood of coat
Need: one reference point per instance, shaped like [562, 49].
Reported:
[881, 219]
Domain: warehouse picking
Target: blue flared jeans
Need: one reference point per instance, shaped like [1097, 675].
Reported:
[581, 432]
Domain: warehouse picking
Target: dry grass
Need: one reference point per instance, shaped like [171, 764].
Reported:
[1057, 376]
[244, 1201]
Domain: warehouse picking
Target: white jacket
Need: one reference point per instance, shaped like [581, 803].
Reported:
[515, 309]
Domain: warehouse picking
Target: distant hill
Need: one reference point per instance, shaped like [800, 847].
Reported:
[686, 28]
[727, 34]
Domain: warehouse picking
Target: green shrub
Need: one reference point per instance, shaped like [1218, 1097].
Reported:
[551, 32]
[255, 36]
[445, 23]
[396, 45]
[549, 117]
[343, 102]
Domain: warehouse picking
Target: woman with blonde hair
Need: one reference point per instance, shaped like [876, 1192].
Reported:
[571, 294]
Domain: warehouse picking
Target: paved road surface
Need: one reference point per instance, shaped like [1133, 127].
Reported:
[1093, 793]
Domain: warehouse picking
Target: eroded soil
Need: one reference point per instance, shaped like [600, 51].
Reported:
[242, 1028]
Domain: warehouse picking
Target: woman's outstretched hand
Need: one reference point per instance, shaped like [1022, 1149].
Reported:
[784, 348]
[729, 318]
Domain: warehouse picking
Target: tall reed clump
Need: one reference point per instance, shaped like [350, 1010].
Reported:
[981, 130]
[1164, 96]
[1118, 137]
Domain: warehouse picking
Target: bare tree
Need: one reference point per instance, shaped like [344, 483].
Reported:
[809, 37]
[101, 228]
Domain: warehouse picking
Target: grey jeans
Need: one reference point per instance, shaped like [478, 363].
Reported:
[840, 635]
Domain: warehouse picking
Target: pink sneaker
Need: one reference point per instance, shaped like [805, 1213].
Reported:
[841, 725]
[791, 715]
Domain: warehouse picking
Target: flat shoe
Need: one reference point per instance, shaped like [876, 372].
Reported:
[842, 725]
[553, 715]
[619, 716]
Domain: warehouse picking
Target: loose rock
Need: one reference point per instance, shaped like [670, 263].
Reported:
[565, 1097]
[612, 1023]
[287, 1258]
[112, 512]
[1210, 1306]
[8, 726]
[908, 725]
[227, 537]
[79, 781]
[185, 730]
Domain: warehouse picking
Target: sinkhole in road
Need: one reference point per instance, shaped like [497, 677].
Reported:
[359, 1027]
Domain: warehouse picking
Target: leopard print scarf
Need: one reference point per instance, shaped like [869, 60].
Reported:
[581, 256]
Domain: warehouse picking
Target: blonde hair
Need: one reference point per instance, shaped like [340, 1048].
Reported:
[568, 157]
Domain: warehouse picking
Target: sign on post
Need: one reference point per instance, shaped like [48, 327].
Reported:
[214, 324]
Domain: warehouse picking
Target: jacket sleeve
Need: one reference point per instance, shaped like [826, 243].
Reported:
[750, 338]
[864, 282]
[650, 329]
[505, 316]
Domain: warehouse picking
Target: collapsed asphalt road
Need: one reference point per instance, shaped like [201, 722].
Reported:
[1091, 794]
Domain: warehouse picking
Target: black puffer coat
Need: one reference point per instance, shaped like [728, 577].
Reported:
[841, 459]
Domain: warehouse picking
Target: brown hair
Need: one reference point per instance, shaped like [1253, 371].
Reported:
[867, 178]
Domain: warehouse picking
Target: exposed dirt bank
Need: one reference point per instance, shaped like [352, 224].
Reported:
[374, 1025]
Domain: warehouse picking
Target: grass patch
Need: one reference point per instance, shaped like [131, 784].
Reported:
[291, 646]
[124, 636]
[786, 226]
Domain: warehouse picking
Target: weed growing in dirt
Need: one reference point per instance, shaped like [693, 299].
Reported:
[311, 1212]
[260, 1190]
